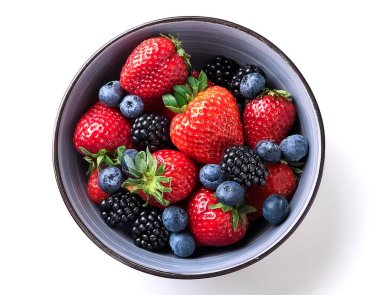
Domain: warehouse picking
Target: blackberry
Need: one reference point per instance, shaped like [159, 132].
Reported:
[120, 207]
[149, 232]
[220, 70]
[150, 130]
[234, 85]
[243, 165]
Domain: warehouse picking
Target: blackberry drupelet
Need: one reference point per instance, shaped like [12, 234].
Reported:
[234, 85]
[220, 70]
[149, 232]
[243, 165]
[151, 130]
[120, 207]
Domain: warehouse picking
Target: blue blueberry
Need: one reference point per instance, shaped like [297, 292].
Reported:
[268, 151]
[275, 209]
[111, 93]
[294, 147]
[211, 176]
[110, 179]
[230, 193]
[182, 244]
[174, 219]
[251, 85]
[131, 106]
[130, 153]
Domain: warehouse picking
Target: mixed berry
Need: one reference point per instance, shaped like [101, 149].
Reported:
[189, 158]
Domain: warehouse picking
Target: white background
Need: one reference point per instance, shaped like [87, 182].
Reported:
[336, 47]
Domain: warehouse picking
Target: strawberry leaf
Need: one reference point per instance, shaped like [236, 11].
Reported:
[202, 81]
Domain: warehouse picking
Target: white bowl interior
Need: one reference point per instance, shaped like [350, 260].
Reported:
[202, 40]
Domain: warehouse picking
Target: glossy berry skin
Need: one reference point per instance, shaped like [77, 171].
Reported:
[182, 244]
[268, 151]
[269, 117]
[251, 85]
[111, 93]
[152, 69]
[174, 218]
[131, 106]
[210, 124]
[148, 231]
[212, 227]
[93, 190]
[152, 131]
[102, 127]
[234, 85]
[220, 70]
[275, 209]
[294, 147]
[211, 176]
[230, 193]
[110, 179]
[182, 171]
[281, 181]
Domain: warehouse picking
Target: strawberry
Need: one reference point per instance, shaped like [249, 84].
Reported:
[161, 178]
[214, 224]
[94, 192]
[208, 121]
[281, 180]
[102, 127]
[153, 68]
[270, 116]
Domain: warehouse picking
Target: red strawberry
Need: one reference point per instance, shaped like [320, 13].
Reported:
[281, 180]
[162, 178]
[269, 117]
[102, 127]
[214, 224]
[94, 192]
[210, 122]
[153, 68]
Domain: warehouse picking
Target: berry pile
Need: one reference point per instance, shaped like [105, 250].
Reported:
[150, 131]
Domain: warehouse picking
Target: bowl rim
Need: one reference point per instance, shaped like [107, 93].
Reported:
[153, 271]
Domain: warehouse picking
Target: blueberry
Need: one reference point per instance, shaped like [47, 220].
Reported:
[211, 176]
[268, 151]
[174, 218]
[275, 209]
[131, 106]
[111, 93]
[130, 153]
[110, 179]
[251, 85]
[182, 244]
[230, 193]
[294, 147]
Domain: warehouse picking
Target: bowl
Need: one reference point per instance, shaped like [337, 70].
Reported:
[203, 38]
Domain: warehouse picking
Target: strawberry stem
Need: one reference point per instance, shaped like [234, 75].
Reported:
[147, 177]
[102, 158]
[178, 46]
[237, 212]
[276, 93]
[183, 94]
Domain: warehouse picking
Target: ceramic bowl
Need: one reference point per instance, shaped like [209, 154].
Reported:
[203, 38]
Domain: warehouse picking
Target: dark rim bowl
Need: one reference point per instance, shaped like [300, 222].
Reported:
[203, 37]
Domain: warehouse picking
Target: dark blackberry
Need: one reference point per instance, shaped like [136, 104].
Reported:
[120, 207]
[149, 232]
[220, 70]
[151, 130]
[243, 165]
[234, 85]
